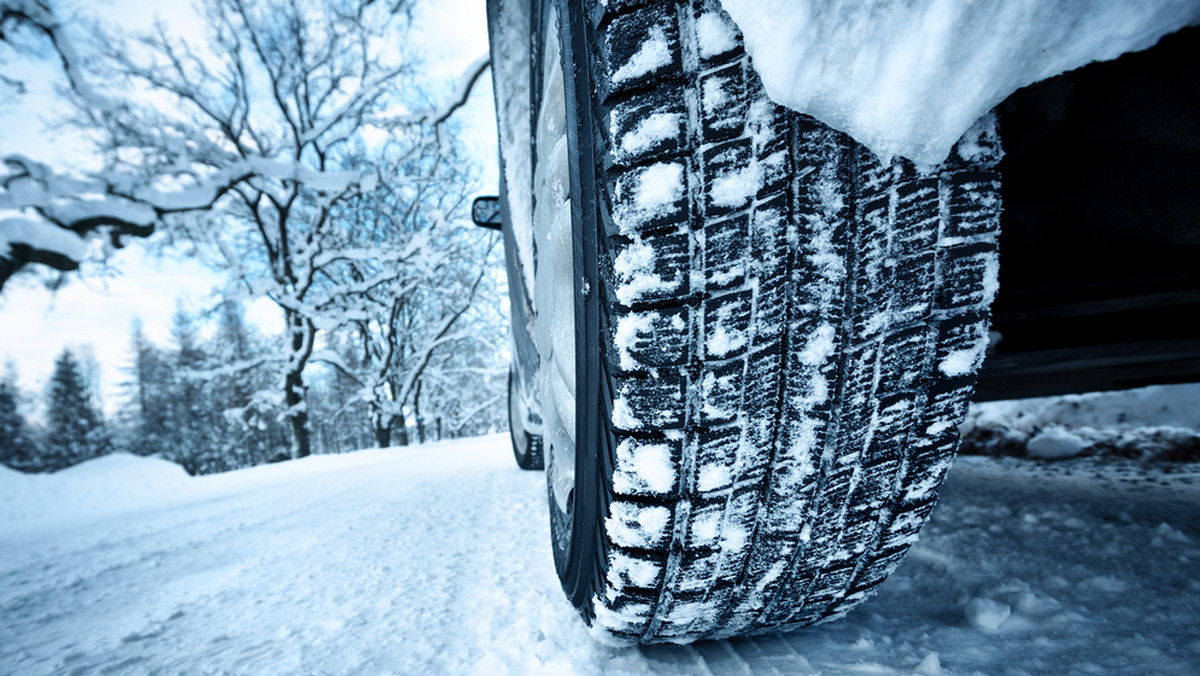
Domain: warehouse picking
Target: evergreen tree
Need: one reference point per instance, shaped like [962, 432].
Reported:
[148, 393]
[75, 432]
[189, 422]
[17, 449]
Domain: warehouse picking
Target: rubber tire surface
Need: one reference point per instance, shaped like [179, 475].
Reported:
[777, 336]
[527, 448]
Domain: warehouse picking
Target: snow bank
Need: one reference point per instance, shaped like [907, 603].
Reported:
[122, 483]
[909, 78]
[110, 483]
[1154, 423]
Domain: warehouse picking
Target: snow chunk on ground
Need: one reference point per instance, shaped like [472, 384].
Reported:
[987, 614]
[910, 78]
[1158, 423]
[1055, 443]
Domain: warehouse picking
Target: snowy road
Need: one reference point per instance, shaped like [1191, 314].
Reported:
[436, 560]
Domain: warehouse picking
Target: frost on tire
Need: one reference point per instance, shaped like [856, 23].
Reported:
[788, 332]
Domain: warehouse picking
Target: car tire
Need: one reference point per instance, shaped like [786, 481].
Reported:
[776, 335]
[527, 446]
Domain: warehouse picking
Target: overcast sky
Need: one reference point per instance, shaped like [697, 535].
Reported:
[35, 324]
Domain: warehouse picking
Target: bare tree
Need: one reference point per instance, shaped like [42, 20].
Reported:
[401, 316]
[279, 123]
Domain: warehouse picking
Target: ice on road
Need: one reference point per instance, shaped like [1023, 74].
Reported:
[436, 560]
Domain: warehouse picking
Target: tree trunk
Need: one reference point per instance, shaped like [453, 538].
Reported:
[297, 416]
[383, 434]
[403, 429]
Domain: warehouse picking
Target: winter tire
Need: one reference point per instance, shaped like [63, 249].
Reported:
[527, 447]
[775, 334]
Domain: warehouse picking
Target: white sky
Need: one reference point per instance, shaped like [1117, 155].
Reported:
[35, 324]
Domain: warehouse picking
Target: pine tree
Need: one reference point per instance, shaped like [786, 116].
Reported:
[148, 396]
[17, 449]
[75, 431]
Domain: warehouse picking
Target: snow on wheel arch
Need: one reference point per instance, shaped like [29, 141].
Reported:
[910, 77]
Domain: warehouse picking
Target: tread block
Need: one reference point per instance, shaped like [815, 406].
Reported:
[895, 414]
[737, 531]
[723, 102]
[702, 565]
[721, 392]
[648, 466]
[946, 405]
[717, 451]
[623, 615]
[638, 569]
[651, 196]
[903, 356]
[637, 526]
[917, 215]
[650, 339]
[913, 289]
[706, 526]
[640, 46]
[680, 612]
[651, 125]
[726, 325]
[726, 245]
[974, 204]
[733, 178]
[717, 36]
[656, 269]
[770, 249]
[649, 403]
[967, 271]
[961, 345]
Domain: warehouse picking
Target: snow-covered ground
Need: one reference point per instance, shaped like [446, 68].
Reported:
[436, 560]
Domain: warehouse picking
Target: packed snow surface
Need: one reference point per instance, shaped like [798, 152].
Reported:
[910, 77]
[437, 560]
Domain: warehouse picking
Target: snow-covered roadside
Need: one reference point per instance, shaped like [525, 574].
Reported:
[436, 560]
[1160, 423]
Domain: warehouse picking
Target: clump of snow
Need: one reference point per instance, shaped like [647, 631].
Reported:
[910, 78]
[622, 415]
[930, 666]
[736, 187]
[658, 186]
[657, 127]
[713, 476]
[715, 34]
[643, 465]
[986, 614]
[962, 362]
[631, 525]
[654, 53]
[1054, 443]
[635, 273]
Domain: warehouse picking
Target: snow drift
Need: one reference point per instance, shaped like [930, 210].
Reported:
[909, 78]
